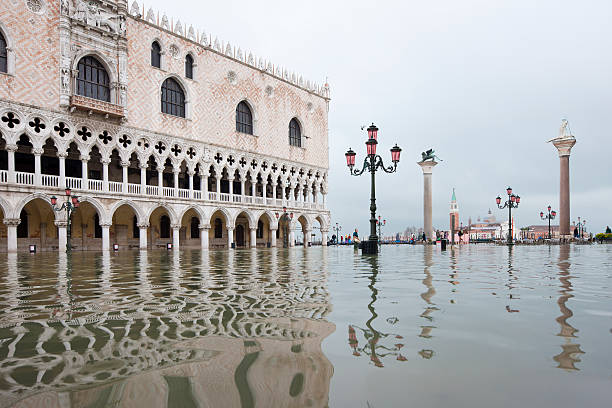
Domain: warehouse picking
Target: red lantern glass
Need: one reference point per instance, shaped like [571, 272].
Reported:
[384, 222]
[549, 207]
[513, 198]
[498, 200]
[373, 132]
[509, 190]
[395, 153]
[75, 200]
[554, 213]
[371, 147]
[68, 191]
[350, 157]
[518, 199]
[53, 200]
[541, 214]
[77, 204]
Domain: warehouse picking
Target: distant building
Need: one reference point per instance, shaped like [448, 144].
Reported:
[539, 232]
[486, 230]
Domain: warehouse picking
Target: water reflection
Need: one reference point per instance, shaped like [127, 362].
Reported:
[571, 351]
[170, 329]
[427, 296]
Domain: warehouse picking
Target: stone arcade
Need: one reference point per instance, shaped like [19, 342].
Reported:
[166, 135]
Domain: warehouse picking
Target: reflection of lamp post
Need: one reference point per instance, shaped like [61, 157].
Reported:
[380, 224]
[372, 163]
[71, 204]
[512, 202]
[550, 216]
[285, 233]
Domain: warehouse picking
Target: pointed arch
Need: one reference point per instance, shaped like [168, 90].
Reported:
[173, 217]
[130, 204]
[100, 209]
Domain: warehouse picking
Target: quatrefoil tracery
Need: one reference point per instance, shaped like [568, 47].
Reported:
[11, 120]
[61, 129]
[160, 147]
[37, 125]
[84, 133]
[105, 137]
[124, 140]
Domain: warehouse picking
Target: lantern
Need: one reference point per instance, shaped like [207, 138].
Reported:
[75, 200]
[395, 153]
[371, 147]
[513, 198]
[509, 190]
[541, 214]
[373, 132]
[549, 207]
[276, 215]
[554, 213]
[350, 157]
[498, 200]
[384, 222]
[76, 205]
[518, 199]
[53, 200]
[68, 191]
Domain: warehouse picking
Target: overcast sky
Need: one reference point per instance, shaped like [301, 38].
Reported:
[486, 83]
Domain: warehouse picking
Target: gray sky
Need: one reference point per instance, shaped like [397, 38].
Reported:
[486, 83]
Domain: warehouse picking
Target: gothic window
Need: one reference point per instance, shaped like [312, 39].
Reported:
[295, 133]
[3, 55]
[218, 228]
[244, 118]
[164, 226]
[97, 227]
[195, 227]
[172, 98]
[93, 81]
[22, 228]
[189, 66]
[260, 229]
[135, 229]
[155, 55]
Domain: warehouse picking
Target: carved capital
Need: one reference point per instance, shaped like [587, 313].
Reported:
[175, 226]
[143, 165]
[11, 222]
[11, 147]
[105, 161]
[125, 163]
[84, 158]
[106, 224]
[62, 155]
[143, 225]
[564, 145]
[38, 151]
[61, 223]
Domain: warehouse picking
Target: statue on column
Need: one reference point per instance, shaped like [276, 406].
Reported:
[430, 155]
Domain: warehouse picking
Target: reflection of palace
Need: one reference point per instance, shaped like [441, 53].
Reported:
[182, 338]
[571, 351]
[166, 134]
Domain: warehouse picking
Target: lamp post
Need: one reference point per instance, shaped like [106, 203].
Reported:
[380, 223]
[550, 216]
[372, 163]
[512, 202]
[285, 233]
[71, 204]
[581, 228]
[337, 228]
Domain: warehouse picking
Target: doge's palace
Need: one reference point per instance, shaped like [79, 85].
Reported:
[167, 135]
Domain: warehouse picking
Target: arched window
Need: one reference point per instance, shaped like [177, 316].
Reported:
[218, 228]
[295, 133]
[155, 55]
[164, 226]
[3, 55]
[195, 227]
[172, 98]
[189, 66]
[260, 229]
[22, 228]
[93, 81]
[135, 229]
[97, 227]
[244, 118]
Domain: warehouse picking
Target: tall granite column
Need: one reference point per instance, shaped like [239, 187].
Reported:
[564, 146]
[427, 167]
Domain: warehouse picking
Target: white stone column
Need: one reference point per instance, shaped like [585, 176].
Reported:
[324, 237]
[143, 235]
[62, 237]
[273, 237]
[37, 170]
[427, 167]
[230, 237]
[307, 237]
[231, 188]
[254, 187]
[291, 237]
[105, 163]
[176, 172]
[143, 177]
[274, 190]
[11, 233]
[204, 185]
[124, 168]
[564, 147]
[253, 237]
[175, 236]
[323, 198]
[84, 171]
[11, 149]
[62, 168]
[204, 236]
[105, 236]
[264, 189]
[160, 180]
[218, 180]
[242, 192]
[190, 173]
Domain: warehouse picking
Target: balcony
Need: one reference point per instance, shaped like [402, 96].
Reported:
[89, 104]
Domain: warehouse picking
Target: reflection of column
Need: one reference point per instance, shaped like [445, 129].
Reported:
[204, 229]
[175, 236]
[427, 296]
[143, 235]
[61, 234]
[564, 146]
[427, 167]
[11, 233]
[569, 356]
[253, 237]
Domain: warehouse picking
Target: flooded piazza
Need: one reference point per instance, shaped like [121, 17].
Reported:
[473, 326]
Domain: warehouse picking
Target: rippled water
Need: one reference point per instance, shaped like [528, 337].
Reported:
[477, 326]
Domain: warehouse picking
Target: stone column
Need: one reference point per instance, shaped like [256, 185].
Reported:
[176, 172]
[11, 149]
[105, 236]
[427, 167]
[124, 168]
[37, 170]
[160, 180]
[62, 169]
[84, 171]
[218, 180]
[11, 233]
[564, 146]
[242, 192]
[273, 237]
[204, 236]
[175, 236]
[230, 237]
[253, 237]
[204, 185]
[105, 163]
[190, 173]
[324, 237]
[62, 237]
[307, 237]
[254, 187]
[274, 190]
[230, 182]
[143, 178]
[143, 235]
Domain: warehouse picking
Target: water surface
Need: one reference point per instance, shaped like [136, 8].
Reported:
[476, 326]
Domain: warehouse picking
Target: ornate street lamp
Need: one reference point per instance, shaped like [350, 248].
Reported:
[380, 223]
[550, 216]
[71, 204]
[337, 228]
[372, 163]
[512, 202]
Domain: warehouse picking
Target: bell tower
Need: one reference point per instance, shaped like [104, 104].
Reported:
[454, 213]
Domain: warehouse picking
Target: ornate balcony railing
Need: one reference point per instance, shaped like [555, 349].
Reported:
[95, 105]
